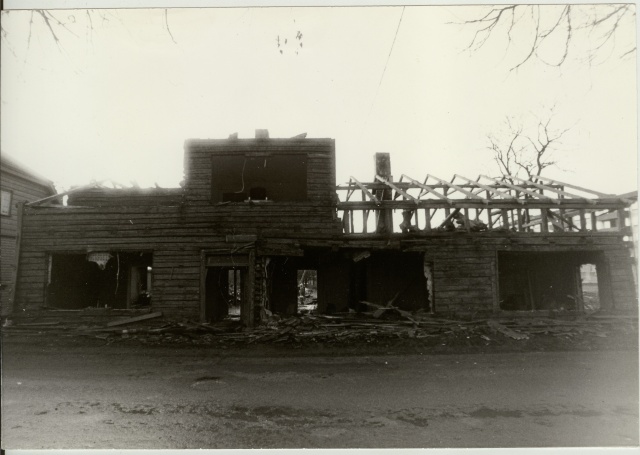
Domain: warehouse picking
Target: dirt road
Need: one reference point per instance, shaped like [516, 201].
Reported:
[163, 397]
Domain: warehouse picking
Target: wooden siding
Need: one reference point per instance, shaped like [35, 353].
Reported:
[176, 225]
[180, 227]
[105, 197]
[320, 165]
[24, 188]
[466, 277]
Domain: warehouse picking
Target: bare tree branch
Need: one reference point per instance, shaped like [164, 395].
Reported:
[550, 25]
[519, 152]
[57, 28]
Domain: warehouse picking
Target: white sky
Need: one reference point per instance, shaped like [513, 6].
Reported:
[119, 101]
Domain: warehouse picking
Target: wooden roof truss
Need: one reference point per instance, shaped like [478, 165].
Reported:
[484, 204]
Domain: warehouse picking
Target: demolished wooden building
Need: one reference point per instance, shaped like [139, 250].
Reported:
[253, 212]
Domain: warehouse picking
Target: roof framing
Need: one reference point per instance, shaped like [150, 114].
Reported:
[509, 192]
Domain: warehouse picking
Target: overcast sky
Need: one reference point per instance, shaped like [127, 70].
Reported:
[120, 93]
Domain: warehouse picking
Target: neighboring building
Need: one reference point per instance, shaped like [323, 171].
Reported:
[18, 184]
[254, 212]
[610, 221]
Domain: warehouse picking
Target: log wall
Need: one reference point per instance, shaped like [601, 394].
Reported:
[23, 189]
[465, 269]
[177, 225]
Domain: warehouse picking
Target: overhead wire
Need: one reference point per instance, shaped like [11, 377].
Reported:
[384, 70]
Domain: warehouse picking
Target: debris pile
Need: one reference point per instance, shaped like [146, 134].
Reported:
[379, 326]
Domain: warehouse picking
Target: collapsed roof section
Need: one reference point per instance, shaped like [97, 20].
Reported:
[484, 204]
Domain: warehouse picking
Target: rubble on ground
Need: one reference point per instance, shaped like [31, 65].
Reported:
[381, 325]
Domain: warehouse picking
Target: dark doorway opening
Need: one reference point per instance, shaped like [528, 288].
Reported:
[224, 292]
[535, 281]
[292, 284]
[100, 279]
[390, 278]
[360, 280]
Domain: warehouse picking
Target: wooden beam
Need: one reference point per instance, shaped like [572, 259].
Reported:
[427, 216]
[575, 187]
[59, 195]
[428, 189]
[583, 220]
[385, 216]
[448, 216]
[505, 218]
[247, 313]
[467, 225]
[144, 317]
[563, 220]
[14, 283]
[518, 188]
[486, 187]
[545, 220]
[621, 219]
[519, 219]
[457, 188]
[555, 190]
[495, 204]
[394, 187]
[364, 189]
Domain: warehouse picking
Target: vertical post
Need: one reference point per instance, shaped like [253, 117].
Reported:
[544, 222]
[235, 285]
[519, 215]
[248, 292]
[621, 219]
[351, 228]
[505, 219]
[583, 220]
[365, 215]
[14, 284]
[427, 216]
[594, 221]
[203, 279]
[467, 225]
[383, 169]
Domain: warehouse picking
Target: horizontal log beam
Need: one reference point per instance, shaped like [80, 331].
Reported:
[471, 203]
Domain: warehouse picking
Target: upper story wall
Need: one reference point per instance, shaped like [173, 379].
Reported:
[108, 197]
[294, 171]
[19, 184]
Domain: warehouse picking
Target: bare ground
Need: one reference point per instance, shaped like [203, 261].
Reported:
[61, 390]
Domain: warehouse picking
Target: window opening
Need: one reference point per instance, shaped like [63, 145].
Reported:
[590, 291]
[558, 281]
[100, 279]
[307, 291]
[272, 177]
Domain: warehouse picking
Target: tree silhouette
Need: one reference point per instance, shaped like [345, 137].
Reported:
[517, 152]
[553, 33]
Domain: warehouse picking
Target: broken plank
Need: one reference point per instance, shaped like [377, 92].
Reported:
[507, 331]
[135, 319]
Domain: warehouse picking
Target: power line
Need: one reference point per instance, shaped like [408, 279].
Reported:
[384, 70]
